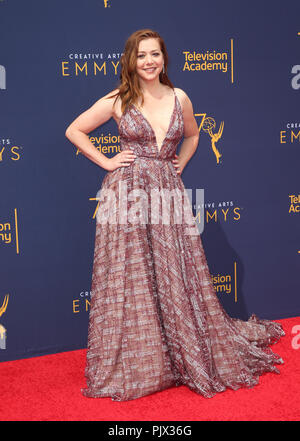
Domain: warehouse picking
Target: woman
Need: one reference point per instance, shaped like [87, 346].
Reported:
[155, 320]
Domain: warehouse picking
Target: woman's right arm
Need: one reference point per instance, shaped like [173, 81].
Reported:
[96, 115]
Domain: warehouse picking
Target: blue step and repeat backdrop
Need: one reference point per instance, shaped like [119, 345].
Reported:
[238, 61]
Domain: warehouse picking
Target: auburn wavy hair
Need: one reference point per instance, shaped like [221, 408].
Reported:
[129, 89]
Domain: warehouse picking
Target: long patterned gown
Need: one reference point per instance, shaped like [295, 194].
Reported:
[155, 321]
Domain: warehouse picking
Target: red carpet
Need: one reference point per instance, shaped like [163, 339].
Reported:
[48, 389]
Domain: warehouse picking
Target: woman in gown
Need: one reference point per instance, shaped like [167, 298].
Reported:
[155, 320]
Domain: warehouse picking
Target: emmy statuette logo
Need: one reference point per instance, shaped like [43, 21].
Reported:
[208, 125]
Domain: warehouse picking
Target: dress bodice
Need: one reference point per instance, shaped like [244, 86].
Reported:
[137, 134]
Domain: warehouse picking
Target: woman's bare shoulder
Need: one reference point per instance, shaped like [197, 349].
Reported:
[183, 98]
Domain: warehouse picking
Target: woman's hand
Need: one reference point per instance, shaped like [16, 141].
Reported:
[177, 165]
[122, 159]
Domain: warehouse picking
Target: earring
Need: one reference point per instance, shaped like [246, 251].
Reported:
[163, 68]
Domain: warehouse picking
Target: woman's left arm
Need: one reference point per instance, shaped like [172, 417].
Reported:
[191, 134]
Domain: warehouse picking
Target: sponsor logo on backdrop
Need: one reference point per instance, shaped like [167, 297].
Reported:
[3, 333]
[9, 151]
[80, 64]
[107, 3]
[290, 134]
[107, 144]
[9, 235]
[202, 60]
[82, 302]
[226, 283]
[2, 77]
[294, 203]
[205, 61]
[225, 211]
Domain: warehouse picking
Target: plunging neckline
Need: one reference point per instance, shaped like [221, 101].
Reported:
[151, 128]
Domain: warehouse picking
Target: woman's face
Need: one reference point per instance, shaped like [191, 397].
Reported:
[150, 59]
